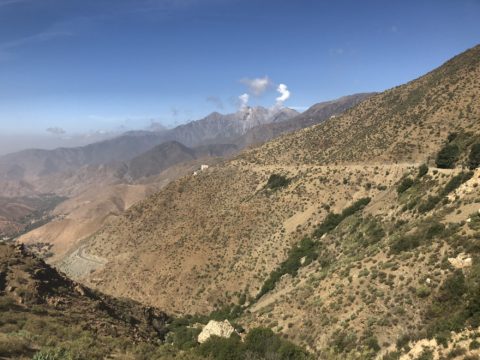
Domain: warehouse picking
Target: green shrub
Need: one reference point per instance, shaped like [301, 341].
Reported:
[423, 291]
[434, 230]
[447, 156]
[332, 220]
[422, 170]
[456, 181]
[403, 341]
[260, 343]
[343, 341]
[404, 243]
[404, 185]
[276, 181]
[305, 249]
[11, 345]
[429, 204]
[223, 349]
[52, 354]
[452, 136]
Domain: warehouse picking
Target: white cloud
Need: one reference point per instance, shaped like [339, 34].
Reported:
[284, 94]
[257, 86]
[243, 99]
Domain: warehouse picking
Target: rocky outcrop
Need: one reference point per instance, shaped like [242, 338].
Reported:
[461, 261]
[216, 328]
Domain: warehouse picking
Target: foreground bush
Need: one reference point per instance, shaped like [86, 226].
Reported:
[260, 343]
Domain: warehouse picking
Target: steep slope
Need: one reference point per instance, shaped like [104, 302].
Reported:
[19, 214]
[220, 235]
[41, 307]
[80, 216]
[45, 315]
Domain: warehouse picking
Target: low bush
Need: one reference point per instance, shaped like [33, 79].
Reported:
[276, 181]
[306, 250]
[260, 343]
[343, 341]
[404, 243]
[456, 181]
[422, 170]
[332, 220]
[404, 185]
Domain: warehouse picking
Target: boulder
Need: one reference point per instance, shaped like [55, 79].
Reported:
[217, 328]
[461, 261]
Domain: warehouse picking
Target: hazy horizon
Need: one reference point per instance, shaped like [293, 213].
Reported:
[81, 69]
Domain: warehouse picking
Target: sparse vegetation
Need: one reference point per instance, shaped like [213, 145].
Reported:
[332, 220]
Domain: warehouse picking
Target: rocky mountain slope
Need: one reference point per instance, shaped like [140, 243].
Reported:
[374, 273]
[45, 315]
[37, 300]
[99, 192]
[20, 214]
[314, 115]
[217, 128]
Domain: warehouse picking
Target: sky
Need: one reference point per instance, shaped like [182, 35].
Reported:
[93, 67]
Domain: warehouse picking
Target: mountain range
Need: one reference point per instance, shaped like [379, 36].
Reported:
[343, 236]
[351, 230]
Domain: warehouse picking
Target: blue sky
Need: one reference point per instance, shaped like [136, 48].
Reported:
[87, 65]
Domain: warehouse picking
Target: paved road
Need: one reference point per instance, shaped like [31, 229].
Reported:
[79, 263]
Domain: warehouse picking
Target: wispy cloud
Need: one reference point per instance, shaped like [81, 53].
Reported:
[40, 37]
[4, 3]
[257, 86]
[7, 48]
